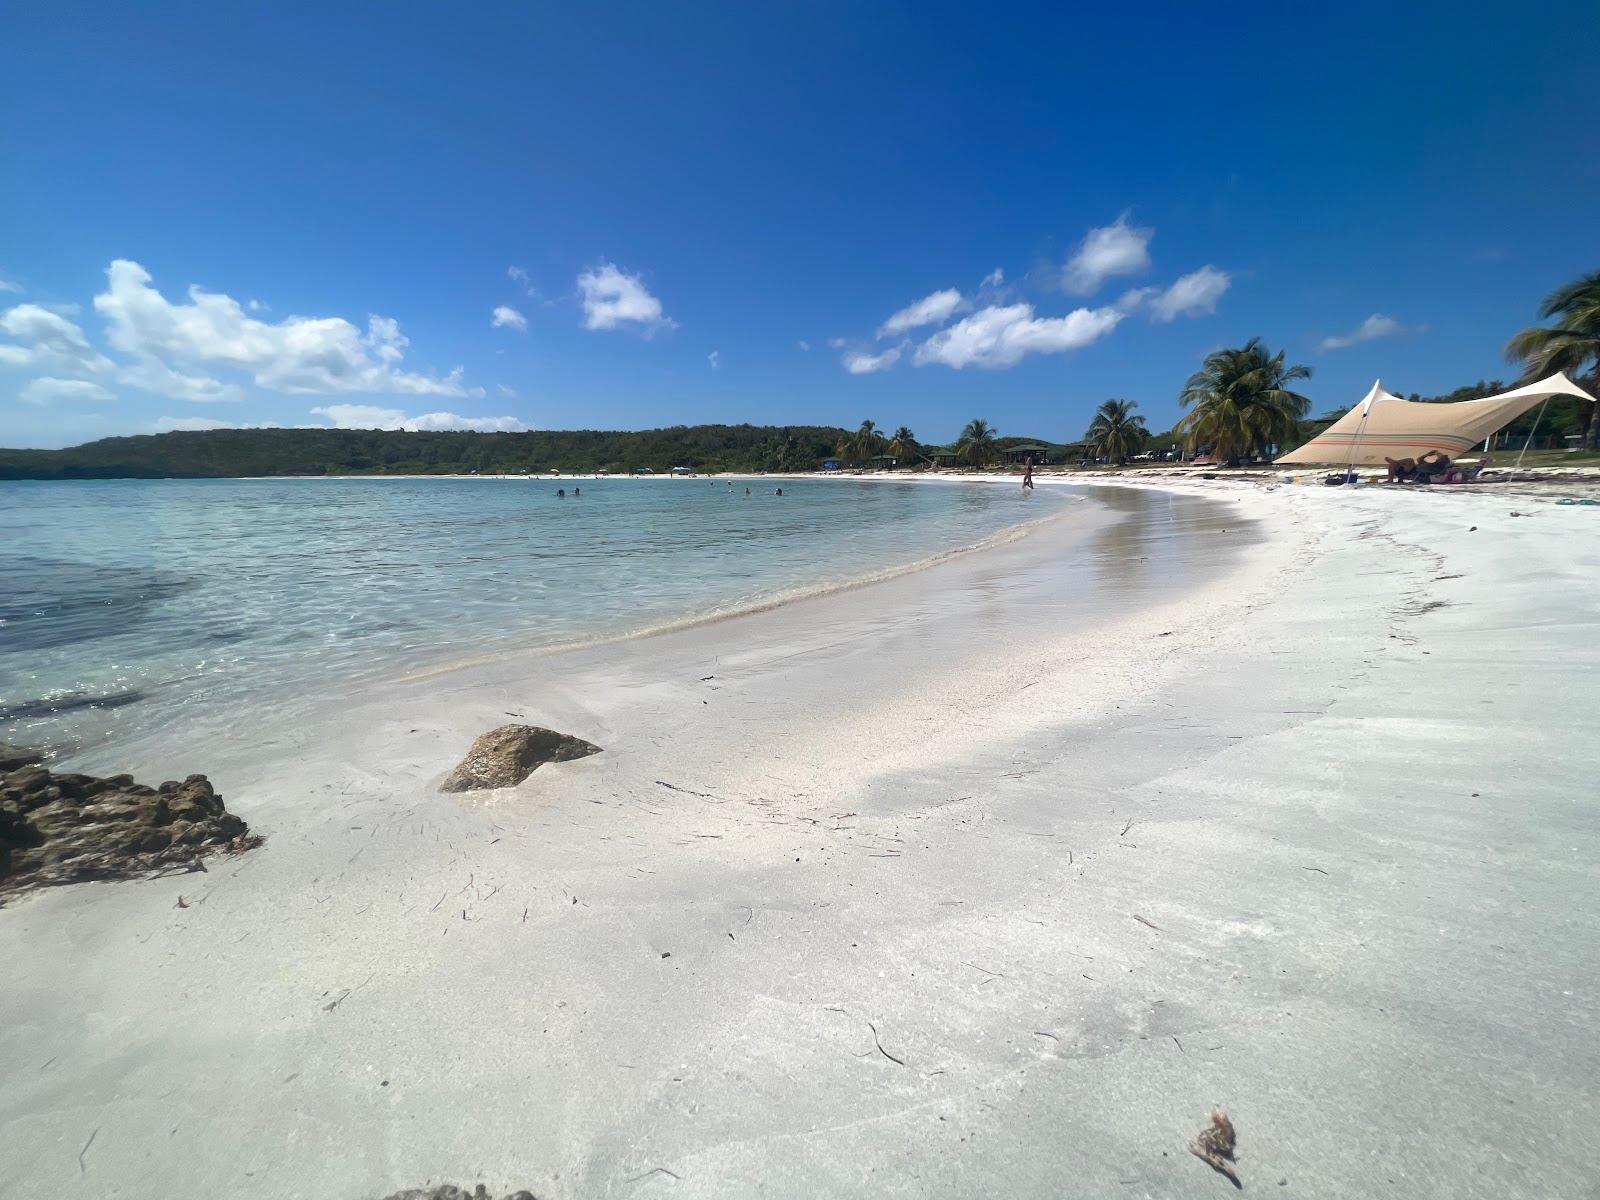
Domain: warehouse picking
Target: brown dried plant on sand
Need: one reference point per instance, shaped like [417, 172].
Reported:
[1213, 1146]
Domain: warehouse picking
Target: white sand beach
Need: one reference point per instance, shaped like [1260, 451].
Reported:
[986, 880]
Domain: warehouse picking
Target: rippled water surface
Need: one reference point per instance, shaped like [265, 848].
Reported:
[131, 605]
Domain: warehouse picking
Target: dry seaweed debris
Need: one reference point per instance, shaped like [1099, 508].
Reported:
[1213, 1146]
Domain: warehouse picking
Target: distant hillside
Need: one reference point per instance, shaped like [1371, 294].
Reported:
[222, 453]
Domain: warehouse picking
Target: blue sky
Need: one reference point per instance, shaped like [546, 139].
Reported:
[692, 195]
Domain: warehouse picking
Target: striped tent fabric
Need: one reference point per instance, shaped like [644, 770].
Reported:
[1384, 426]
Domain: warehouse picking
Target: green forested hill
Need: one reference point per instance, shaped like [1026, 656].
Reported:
[253, 452]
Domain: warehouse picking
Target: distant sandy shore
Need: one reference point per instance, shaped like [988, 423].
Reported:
[986, 880]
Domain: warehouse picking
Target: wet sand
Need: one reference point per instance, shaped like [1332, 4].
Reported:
[986, 880]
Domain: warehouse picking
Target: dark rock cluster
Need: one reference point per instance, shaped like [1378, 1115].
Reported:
[504, 757]
[65, 828]
[447, 1192]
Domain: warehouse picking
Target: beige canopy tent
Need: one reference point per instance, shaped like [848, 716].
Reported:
[1385, 426]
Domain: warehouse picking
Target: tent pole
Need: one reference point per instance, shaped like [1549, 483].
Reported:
[1355, 447]
[1535, 429]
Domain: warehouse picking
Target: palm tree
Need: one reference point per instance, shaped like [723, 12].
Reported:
[863, 443]
[1115, 431]
[976, 445]
[1240, 402]
[1569, 346]
[903, 444]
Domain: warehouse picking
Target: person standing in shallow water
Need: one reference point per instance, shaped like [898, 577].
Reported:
[1027, 475]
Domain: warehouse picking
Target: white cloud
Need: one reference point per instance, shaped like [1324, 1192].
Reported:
[510, 393]
[7, 286]
[803, 344]
[192, 424]
[153, 375]
[1193, 295]
[1117, 249]
[52, 341]
[372, 416]
[1376, 326]
[993, 279]
[506, 317]
[859, 362]
[47, 390]
[715, 359]
[1002, 336]
[933, 309]
[298, 355]
[517, 275]
[612, 298]
[838, 343]
[259, 306]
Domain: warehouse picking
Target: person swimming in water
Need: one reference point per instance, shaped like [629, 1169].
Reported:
[777, 491]
[562, 493]
[577, 491]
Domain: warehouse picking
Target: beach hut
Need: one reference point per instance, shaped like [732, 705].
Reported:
[941, 456]
[884, 462]
[1028, 452]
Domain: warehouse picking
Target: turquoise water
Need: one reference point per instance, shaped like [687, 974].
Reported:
[130, 606]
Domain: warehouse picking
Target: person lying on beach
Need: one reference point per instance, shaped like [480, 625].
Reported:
[1433, 463]
[1401, 469]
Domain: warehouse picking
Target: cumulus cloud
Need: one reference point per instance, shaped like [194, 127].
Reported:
[372, 416]
[715, 359]
[613, 298]
[153, 375]
[298, 355]
[49, 340]
[1376, 326]
[1001, 336]
[1192, 295]
[47, 390]
[859, 362]
[506, 317]
[1116, 249]
[933, 309]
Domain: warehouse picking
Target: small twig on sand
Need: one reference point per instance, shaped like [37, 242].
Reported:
[655, 1171]
[1318, 870]
[985, 970]
[1178, 1044]
[1145, 921]
[672, 787]
[82, 1168]
[438, 902]
[878, 1042]
[1126, 827]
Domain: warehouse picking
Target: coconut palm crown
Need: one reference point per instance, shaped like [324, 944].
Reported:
[903, 443]
[1240, 402]
[1116, 431]
[1571, 344]
[975, 446]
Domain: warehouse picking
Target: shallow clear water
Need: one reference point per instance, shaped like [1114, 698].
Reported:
[128, 606]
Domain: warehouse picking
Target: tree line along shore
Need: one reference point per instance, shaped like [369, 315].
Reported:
[1242, 404]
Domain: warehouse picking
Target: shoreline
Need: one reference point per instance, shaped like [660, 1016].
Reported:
[990, 878]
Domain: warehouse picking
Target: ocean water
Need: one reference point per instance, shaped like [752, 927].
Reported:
[131, 607]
